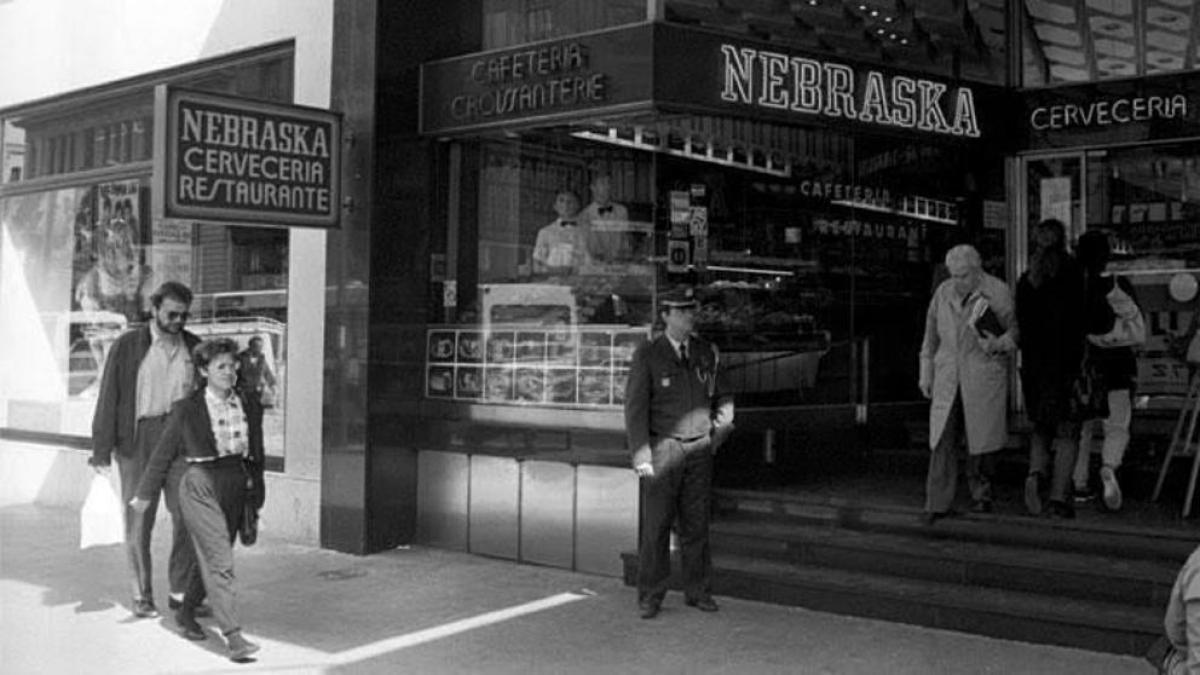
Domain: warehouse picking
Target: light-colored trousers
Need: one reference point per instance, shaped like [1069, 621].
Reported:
[1116, 436]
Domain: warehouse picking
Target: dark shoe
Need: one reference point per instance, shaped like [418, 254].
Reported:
[1033, 497]
[1083, 495]
[1059, 509]
[650, 608]
[931, 517]
[240, 648]
[202, 611]
[188, 627]
[981, 506]
[704, 604]
[144, 609]
[1112, 489]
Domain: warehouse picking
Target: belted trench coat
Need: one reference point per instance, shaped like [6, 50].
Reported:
[953, 360]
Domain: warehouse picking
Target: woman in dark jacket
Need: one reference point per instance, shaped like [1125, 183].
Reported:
[219, 434]
[1050, 323]
[1117, 364]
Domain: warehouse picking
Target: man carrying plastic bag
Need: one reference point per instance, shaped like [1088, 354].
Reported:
[102, 519]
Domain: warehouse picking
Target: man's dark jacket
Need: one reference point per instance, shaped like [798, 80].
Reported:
[115, 419]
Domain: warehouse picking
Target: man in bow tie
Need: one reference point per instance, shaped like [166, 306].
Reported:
[561, 246]
[607, 223]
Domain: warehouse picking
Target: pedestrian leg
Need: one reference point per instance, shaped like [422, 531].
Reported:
[695, 507]
[658, 495]
[941, 482]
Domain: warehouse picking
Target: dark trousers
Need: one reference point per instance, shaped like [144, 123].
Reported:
[680, 489]
[139, 526]
[941, 483]
[212, 496]
[1061, 440]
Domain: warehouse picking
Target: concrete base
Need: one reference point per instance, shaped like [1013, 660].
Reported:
[547, 513]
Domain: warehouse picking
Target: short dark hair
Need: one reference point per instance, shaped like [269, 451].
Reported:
[256, 339]
[206, 351]
[173, 290]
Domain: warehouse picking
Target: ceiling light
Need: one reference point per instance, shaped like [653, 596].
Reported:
[904, 41]
[887, 19]
[874, 12]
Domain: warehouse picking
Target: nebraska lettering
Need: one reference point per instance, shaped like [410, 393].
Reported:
[253, 132]
[807, 86]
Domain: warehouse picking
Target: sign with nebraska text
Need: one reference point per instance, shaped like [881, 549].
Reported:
[237, 160]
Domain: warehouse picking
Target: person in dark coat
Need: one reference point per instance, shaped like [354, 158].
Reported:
[1050, 323]
[148, 368]
[217, 432]
[676, 413]
[1111, 352]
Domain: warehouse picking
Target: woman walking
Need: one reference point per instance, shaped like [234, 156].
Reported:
[1050, 315]
[219, 434]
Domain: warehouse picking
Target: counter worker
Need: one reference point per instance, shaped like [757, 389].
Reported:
[677, 413]
[148, 368]
[562, 246]
[607, 223]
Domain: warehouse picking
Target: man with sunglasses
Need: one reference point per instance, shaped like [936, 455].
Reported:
[148, 369]
[676, 414]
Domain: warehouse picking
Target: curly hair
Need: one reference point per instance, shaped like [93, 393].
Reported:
[206, 351]
[173, 290]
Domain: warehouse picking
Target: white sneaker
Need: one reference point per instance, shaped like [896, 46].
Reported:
[1112, 489]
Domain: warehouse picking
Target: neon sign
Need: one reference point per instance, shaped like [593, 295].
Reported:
[807, 86]
[1104, 113]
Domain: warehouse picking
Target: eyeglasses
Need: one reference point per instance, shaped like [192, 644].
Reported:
[182, 316]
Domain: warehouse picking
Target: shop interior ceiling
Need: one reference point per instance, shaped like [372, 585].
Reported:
[1073, 40]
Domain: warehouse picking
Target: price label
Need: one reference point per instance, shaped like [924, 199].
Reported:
[450, 293]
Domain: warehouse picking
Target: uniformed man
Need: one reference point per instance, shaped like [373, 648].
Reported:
[676, 414]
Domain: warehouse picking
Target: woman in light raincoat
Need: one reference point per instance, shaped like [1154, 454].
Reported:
[964, 372]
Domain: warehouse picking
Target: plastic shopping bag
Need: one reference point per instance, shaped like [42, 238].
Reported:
[102, 520]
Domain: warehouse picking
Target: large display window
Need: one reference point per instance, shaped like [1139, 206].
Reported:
[80, 254]
[813, 252]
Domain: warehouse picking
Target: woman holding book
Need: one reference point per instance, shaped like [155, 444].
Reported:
[970, 332]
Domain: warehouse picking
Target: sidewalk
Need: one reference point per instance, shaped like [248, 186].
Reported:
[421, 610]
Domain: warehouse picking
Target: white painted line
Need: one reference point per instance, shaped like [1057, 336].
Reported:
[446, 630]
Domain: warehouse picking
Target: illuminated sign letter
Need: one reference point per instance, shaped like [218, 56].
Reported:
[904, 102]
[965, 121]
[739, 65]
[772, 93]
[931, 116]
[806, 95]
[839, 88]
[875, 100]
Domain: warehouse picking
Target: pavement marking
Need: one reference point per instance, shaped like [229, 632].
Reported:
[461, 626]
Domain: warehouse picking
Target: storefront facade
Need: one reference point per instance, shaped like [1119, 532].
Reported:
[451, 355]
[87, 234]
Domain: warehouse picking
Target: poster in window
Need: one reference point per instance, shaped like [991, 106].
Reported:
[112, 273]
[470, 347]
[439, 382]
[595, 386]
[468, 382]
[560, 385]
[595, 348]
[441, 345]
[501, 347]
[530, 385]
[168, 254]
[498, 383]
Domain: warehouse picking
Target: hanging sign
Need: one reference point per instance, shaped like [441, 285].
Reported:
[233, 159]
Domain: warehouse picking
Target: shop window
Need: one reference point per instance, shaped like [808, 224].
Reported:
[813, 251]
[1148, 201]
[80, 253]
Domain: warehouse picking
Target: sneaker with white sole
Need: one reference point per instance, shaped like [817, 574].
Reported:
[1112, 489]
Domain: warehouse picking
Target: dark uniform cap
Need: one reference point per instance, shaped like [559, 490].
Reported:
[682, 296]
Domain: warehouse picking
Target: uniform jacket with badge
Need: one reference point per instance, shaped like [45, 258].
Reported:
[664, 399]
[115, 419]
[189, 434]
